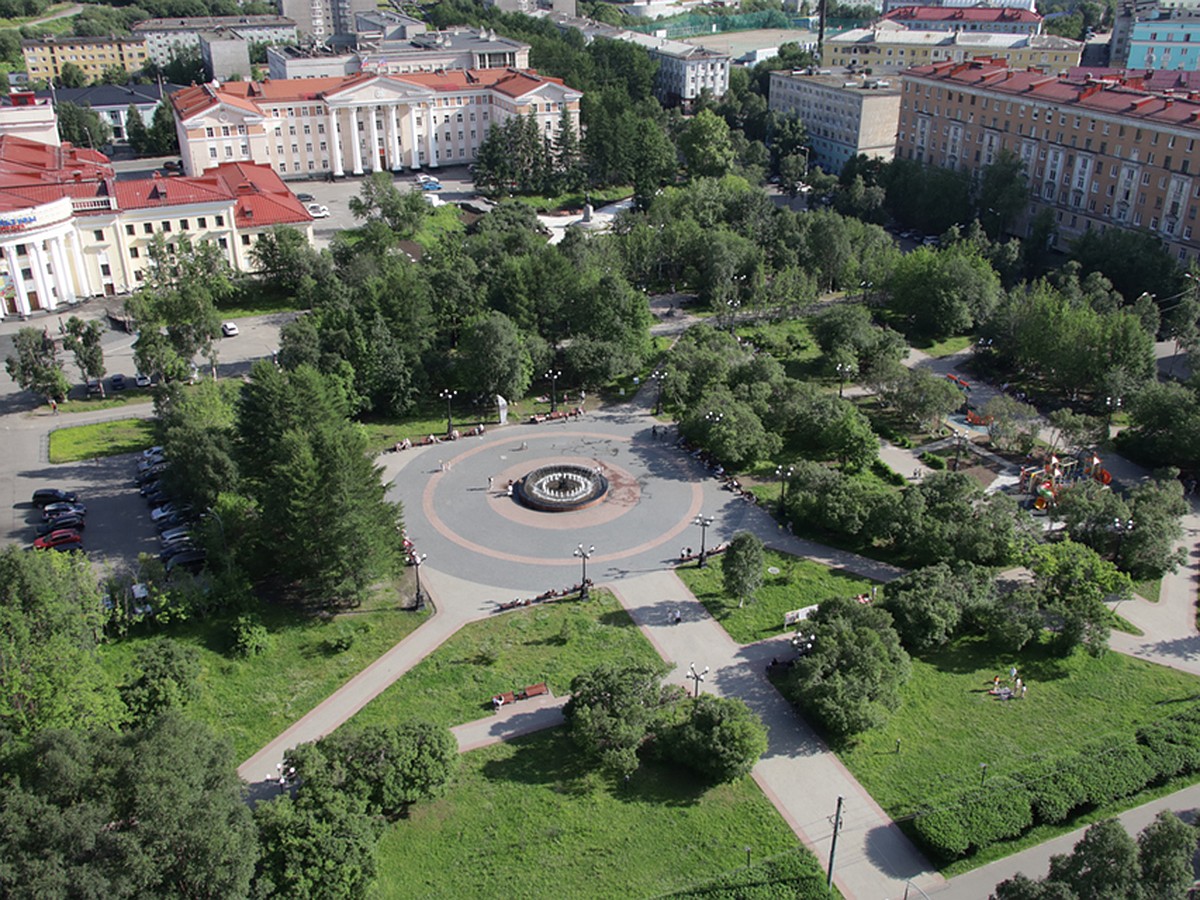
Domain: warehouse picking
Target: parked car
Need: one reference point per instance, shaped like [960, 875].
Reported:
[42, 496]
[142, 381]
[118, 382]
[95, 386]
[229, 329]
[166, 509]
[149, 487]
[422, 178]
[174, 520]
[305, 198]
[174, 534]
[193, 561]
[171, 551]
[58, 523]
[156, 450]
[58, 538]
[158, 497]
[151, 474]
[318, 211]
[173, 165]
[50, 510]
[431, 186]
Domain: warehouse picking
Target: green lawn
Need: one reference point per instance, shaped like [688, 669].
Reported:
[441, 221]
[551, 643]
[250, 701]
[948, 724]
[799, 583]
[944, 347]
[1150, 590]
[127, 397]
[531, 819]
[76, 442]
[250, 302]
[575, 201]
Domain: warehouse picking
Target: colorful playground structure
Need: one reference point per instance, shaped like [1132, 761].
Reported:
[1046, 481]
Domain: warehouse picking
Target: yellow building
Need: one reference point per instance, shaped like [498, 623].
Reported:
[891, 49]
[93, 55]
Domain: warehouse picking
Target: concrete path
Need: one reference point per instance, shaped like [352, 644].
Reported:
[798, 773]
[523, 717]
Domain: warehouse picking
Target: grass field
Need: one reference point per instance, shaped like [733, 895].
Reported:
[551, 643]
[250, 701]
[76, 442]
[944, 347]
[949, 725]
[574, 201]
[127, 397]
[799, 583]
[530, 819]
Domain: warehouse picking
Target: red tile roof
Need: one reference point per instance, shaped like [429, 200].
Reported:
[30, 162]
[260, 196]
[965, 14]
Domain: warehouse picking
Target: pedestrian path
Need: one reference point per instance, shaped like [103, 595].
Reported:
[798, 773]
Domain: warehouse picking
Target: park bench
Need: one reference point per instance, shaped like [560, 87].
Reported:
[534, 690]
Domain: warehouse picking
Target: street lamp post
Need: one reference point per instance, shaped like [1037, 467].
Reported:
[1122, 528]
[584, 556]
[960, 441]
[448, 395]
[703, 521]
[1112, 404]
[784, 475]
[982, 773]
[417, 560]
[553, 375]
[658, 375]
[696, 678]
[285, 775]
[844, 370]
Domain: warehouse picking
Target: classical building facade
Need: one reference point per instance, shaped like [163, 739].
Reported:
[69, 230]
[894, 49]
[44, 60]
[324, 127]
[843, 117]
[1099, 152]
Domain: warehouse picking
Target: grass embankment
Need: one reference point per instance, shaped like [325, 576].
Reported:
[250, 701]
[552, 642]
[532, 819]
[948, 724]
[798, 583]
[76, 442]
[574, 201]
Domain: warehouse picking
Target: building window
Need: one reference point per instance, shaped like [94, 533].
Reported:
[129, 230]
[105, 269]
[133, 252]
[245, 240]
[148, 228]
[98, 235]
[166, 226]
[183, 224]
[212, 152]
[222, 243]
[202, 222]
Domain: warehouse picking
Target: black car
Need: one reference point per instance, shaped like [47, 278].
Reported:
[70, 520]
[158, 497]
[151, 474]
[118, 383]
[149, 487]
[178, 549]
[166, 523]
[42, 496]
[193, 561]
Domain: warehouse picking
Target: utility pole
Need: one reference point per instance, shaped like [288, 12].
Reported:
[837, 826]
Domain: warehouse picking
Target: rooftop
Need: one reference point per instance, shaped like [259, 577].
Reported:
[842, 82]
[260, 196]
[67, 40]
[208, 23]
[962, 14]
[983, 40]
[101, 95]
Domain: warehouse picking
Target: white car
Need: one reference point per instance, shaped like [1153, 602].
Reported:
[317, 211]
[141, 380]
[426, 179]
[161, 512]
[229, 329]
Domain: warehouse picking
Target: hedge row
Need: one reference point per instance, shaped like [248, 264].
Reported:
[1051, 791]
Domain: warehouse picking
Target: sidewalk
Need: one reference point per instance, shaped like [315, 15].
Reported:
[798, 773]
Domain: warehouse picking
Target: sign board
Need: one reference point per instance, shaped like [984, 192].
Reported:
[798, 615]
[502, 404]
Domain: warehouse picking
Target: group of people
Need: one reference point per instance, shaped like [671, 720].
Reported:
[544, 597]
[1016, 689]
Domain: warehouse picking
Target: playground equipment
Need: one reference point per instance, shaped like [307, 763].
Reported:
[1046, 481]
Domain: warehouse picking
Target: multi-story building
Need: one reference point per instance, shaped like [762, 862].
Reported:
[1169, 40]
[69, 230]
[1002, 20]
[843, 117]
[45, 59]
[323, 20]
[166, 36]
[25, 115]
[1031, 5]
[1099, 152]
[325, 127]
[892, 49]
[111, 102]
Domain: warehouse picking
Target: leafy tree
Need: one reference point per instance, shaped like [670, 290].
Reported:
[35, 366]
[136, 133]
[850, 679]
[1165, 850]
[922, 397]
[1075, 581]
[492, 358]
[947, 517]
[720, 738]
[742, 566]
[185, 66]
[379, 198]
[1014, 618]
[1135, 261]
[162, 138]
[611, 711]
[51, 620]
[71, 76]
[653, 161]
[928, 604]
[793, 169]
[706, 146]
[1149, 549]
[81, 125]
[83, 339]
[943, 292]
[289, 263]
[1103, 865]
[168, 678]
[1003, 193]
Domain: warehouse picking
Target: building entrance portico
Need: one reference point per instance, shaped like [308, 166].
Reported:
[379, 125]
[39, 266]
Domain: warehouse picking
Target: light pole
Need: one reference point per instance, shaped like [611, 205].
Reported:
[584, 556]
[844, 370]
[703, 521]
[784, 475]
[960, 441]
[448, 395]
[658, 375]
[1113, 404]
[1122, 528]
[284, 774]
[553, 375]
[417, 560]
[696, 678]
[982, 773]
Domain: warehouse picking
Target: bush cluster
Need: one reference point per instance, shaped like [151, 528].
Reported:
[1054, 790]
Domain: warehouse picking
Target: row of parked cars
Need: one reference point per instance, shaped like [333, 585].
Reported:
[174, 520]
[63, 520]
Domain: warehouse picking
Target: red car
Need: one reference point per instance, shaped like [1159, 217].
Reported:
[58, 538]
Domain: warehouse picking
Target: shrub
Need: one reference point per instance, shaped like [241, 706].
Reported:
[1055, 790]
[886, 473]
[998, 811]
[934, 461]
[250, 636]
[942, 833]
[1110, 768]
[342, 640]
[1171, 746]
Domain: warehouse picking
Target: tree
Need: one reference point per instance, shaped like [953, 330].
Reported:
[169, 674]
[928, 604]
[718, 737]
[163, 139]
[742, 566]
[706, 146]
[83, 339]
[793, 169]
[1103, 865]
[1003, 193]
[943, 292]
[71, 76]
[136, 132]
[1075, 582]
[1165, 850]
[492, 358]
[51, 620]
[35, 367]
[379, 198]
[1149, 549]
[653, 161]
[81, 125]
[851, 678]
[611, 710]
[922, 397]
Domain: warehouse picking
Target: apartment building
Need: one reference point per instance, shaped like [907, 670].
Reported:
[1169, 39]
[1100, 151]
[890, 48]
[69, 230]
[166, 36]
[843, 117]
[45, 59]
[329, 127]
[323, 20]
